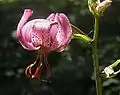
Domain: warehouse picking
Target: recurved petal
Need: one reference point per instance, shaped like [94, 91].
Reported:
[26, 34]
[51, 17]
[41, 33]
[65, 25]
[54, 39]
[66, 29]
[60, 49]
[27, 13]
[60, 32]
[26, 31]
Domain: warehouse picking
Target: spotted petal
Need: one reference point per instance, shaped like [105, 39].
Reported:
[66, 31]
[60, 32]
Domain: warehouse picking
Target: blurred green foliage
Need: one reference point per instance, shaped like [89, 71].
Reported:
[72, 69]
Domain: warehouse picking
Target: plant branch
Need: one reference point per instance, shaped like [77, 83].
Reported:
[95, 58]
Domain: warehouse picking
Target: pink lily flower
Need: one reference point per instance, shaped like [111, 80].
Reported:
[43, 35]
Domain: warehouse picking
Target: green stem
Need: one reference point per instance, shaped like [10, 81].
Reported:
[95, 58]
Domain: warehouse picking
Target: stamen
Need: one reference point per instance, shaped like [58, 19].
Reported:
[29, 70]
[48, 68]
[37, 72]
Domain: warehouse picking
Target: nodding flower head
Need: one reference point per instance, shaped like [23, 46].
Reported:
[51, 34]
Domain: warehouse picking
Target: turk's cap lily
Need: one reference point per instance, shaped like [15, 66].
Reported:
[44, 35]
[53, 33]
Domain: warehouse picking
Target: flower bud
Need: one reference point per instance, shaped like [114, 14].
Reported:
[101, 7]
[97, 8]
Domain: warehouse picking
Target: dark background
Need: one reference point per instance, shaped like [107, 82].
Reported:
[72, 69]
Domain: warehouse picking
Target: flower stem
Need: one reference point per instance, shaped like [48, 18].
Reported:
[95, 58]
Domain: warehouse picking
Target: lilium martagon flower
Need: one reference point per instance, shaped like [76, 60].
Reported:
[43, 35]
